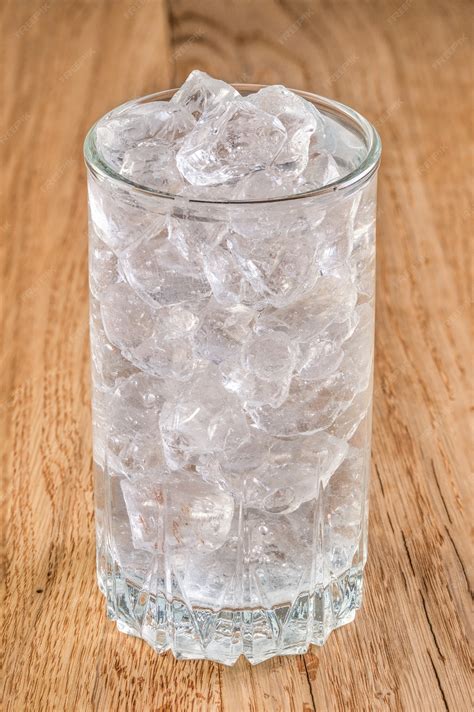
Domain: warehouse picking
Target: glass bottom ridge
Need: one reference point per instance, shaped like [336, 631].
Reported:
[223, 635]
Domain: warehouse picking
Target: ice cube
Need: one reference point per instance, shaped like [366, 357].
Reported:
[362, 258]
[277, 559]
[202, 419]
[168, 352]
[192, 237]
[127, 319]
[311, 406]
[222, 331]
[102, 264]
[344, 501]
[228, 284]
[158, 341]
[145, 502]
[339, 331]
[132, 561]
[300, 119]
[236, 468]
[121, 131]
[347, 423]
[320, 171]
[137, 402]
[335, 238]
[270, 356]
[342, 142]
[152, 164]
[108, 364]
[264, 185]
[274, 560]
[262, 374]
[199, 515]
[119, 215]
[332, 301]
[251, 390]
[298, 470]
[160, 273]
[249, 456]
[281, 265]
[230, 144]
[318, 359]
[132, 443]
[201, 94]
[166, 356]
[358, 350]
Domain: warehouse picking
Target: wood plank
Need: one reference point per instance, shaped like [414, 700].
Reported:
[405, 65]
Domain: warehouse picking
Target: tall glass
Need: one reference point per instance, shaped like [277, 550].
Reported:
[232, 352]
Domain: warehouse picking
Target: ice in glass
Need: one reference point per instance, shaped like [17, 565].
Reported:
[232, 257]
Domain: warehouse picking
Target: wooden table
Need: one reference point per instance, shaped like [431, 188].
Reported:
[405, 66]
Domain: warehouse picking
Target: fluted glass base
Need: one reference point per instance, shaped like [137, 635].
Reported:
[224, 635]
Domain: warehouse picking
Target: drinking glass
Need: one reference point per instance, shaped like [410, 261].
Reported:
[232, 355]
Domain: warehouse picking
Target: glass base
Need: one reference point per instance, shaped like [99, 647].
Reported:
[224, 635]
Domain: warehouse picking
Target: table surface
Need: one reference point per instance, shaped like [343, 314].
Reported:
[405, 66]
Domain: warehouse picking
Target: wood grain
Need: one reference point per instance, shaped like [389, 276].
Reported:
[406, 66]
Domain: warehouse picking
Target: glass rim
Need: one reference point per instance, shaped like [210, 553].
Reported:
[353, 179]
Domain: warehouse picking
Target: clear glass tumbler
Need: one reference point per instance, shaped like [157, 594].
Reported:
[232, 354]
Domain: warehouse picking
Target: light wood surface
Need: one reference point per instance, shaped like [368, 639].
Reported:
[405, 65]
